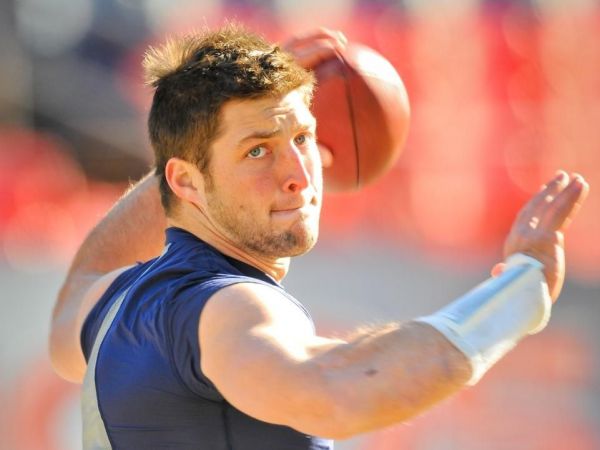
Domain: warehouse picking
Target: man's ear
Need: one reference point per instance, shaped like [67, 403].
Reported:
[186, 181]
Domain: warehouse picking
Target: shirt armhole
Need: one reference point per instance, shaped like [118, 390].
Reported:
[182, 325]
[93, 321]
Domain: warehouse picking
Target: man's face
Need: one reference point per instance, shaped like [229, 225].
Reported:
[264, 186]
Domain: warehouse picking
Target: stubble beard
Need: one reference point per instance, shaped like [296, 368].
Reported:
[258, 238]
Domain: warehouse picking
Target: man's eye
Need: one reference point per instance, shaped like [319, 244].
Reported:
[257, 152]
[300, 139]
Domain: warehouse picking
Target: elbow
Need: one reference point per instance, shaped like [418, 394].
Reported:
[62, 360]
[64, 369]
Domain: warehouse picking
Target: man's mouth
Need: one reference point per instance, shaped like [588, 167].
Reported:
[303, 206]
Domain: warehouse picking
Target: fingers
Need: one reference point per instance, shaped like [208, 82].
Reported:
[576, 207]
[547, 214]
[565, 205]
[538, 230]
[314, 47]
[534, 207]
[319, 33]
[315, 53]
[555, 206]
[498, 269]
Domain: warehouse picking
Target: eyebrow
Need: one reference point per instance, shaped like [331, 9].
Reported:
[268, 134]
[261, 135]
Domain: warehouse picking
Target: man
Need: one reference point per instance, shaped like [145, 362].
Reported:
[201, 347]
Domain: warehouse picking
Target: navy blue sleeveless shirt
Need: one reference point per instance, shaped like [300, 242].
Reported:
[144, 387]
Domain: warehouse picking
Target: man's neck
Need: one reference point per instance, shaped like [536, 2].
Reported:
[276, 268]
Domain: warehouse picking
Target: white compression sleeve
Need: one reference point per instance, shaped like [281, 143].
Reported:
[489, 320]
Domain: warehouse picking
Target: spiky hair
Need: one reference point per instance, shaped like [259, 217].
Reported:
[194, 75]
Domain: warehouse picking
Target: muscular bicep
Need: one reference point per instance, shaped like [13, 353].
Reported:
[260, 351]
[256, 347]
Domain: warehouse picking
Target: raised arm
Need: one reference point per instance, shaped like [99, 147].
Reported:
[132, 231]
[262, 354]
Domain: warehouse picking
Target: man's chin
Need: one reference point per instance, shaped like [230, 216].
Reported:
[288, 244]
[302, 249]
[305, 239]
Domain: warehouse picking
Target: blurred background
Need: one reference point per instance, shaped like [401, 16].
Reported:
[504, 93]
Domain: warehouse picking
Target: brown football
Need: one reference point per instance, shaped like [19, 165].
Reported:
[363, 115]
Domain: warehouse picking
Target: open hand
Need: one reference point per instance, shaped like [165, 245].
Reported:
[539, 228]
[310, 49]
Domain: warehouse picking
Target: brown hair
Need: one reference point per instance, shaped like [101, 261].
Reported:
[195, 75]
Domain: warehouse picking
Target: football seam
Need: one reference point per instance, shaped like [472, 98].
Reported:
[346, 69]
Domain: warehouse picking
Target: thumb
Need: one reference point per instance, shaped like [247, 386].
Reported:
[498, 269]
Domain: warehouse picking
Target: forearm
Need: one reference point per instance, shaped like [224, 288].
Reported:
[133, 230]
[383, 377]
[394, 373]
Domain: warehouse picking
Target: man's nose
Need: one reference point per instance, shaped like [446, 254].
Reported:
[295, 170]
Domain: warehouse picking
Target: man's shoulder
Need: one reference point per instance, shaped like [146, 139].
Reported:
[250, 299]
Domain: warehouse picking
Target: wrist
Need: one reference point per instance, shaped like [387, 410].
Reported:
[488, 321]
